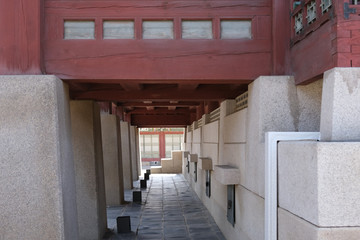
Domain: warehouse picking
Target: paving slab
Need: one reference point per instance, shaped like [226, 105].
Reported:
[170, 210]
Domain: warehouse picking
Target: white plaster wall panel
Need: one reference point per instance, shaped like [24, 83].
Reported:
[188, 147]
[38, 197]
[158, 29]
[189, 137]
[319, 182]
[198, 29]
[227, 107]
[211, 150]
[309, 97]
[199, 184]
[292, 227]
[118, 30]
[211, 132]
[196, 149]
[271, 107]
[250, 213]
[235, 155]
[197, 135]
[219, 194]
[340, 110]
[79, 29]
[189, 141]
[226, 174]
[235, 29]
[235, 127]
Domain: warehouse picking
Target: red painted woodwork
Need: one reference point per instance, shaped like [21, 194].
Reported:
[162, 121]
[347, 40]
[210, 106]
[280, 37]
[313, 55]
[164, 93]
[331, 41]
[20, 33]
[158, 60]
[162, 145]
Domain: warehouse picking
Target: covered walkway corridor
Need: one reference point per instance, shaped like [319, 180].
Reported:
[169, 210]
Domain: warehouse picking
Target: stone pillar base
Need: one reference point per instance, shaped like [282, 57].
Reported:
[37, 182]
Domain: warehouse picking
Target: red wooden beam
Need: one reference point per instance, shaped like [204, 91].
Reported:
[162, 111]
[281, 37]
[177, 60]
[168, 94]
[159, 104]
[160, 121]
[20, 34]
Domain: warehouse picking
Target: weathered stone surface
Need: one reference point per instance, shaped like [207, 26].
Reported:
[38, 198]
[133, 153]
[319, 182]
[309, 98]
[89, 169]
[113, 169]
[211, 132]
[340, 111]
[126, 155]
[272, 106]
[293, 227]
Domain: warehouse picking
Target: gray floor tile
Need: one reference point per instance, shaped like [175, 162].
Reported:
[170, 210]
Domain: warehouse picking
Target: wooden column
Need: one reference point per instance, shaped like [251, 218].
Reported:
[281, 36]
[20, 36]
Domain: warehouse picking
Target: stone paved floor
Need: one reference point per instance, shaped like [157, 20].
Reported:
[169, 210]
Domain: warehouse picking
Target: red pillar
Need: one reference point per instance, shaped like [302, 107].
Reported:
[200, 111]
[211, 106]
[20, 36]
[162, 145]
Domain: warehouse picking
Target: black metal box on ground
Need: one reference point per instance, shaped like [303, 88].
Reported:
[123, 224]
[146, 176]
[143, 184]
[137, 196]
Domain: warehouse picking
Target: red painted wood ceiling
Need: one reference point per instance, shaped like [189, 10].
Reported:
[158, 104]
